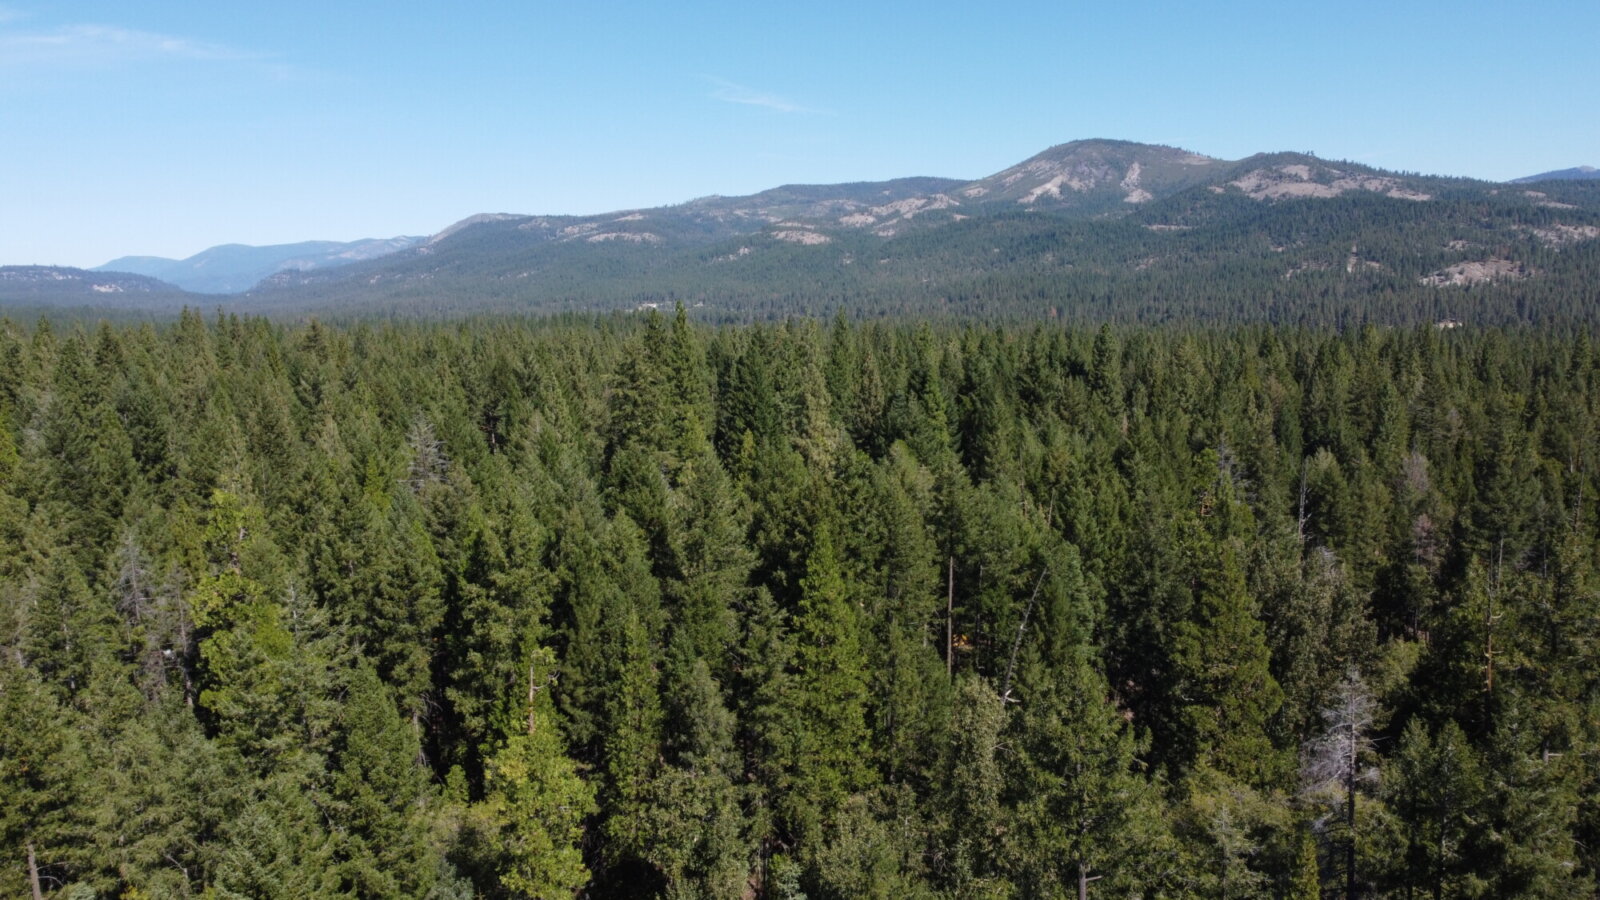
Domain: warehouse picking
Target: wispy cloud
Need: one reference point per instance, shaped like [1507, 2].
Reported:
[728, 92]
[103, 45]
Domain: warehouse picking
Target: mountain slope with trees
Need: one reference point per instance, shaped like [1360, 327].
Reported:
[1086, 232]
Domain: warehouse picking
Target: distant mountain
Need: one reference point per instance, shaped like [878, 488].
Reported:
[1094, 176]
[1581, 173]
[232, 268]
[1087, 230]
[63, 286]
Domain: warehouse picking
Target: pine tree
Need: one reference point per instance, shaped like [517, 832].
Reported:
[828, 707]
[631, 746]
[711, 563]
[1306, 883]
[1337, 763]
[535, 804]
[68, 630]
[390, 591]
[1221, 655]
[380, 797]
[1437, 789]
[1085, 810]
[911, 695]
[266, 664]
[698, 834]
[273, 845]
[976, 839]
[43, 773]
[159, 794]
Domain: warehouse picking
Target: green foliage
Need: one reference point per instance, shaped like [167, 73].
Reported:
[1438, 790]
[696, 832]
[628, 606]
[42, 769]
[381, 797]
[828, 700]
[1084, 807]
[533, 811]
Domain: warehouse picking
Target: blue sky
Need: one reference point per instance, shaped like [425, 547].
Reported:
[163, 128]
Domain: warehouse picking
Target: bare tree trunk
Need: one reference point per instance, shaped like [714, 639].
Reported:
[33, 874]
[1488, 622]
[1438, 861]
[1083, 882]
[1016, 644]
[1350, 821]
[533, 692]
[1300, 518]
[950, 622]
[184, 661]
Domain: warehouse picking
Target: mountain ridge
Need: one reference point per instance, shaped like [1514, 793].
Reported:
[65, 285]
[1091, 228]
[1576, 173]
[233, 268]
[1091, 177]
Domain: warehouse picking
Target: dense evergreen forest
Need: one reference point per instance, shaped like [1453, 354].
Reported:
[632, 607]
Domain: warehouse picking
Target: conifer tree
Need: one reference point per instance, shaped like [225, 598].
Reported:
[976, 841]
[159, 793]
[828, 706]
[698, 834]
[1437, 788]
[1221, 654]
[535, 803]
[1085, 810]
[380, 796]
[42, 775]
[631, 747]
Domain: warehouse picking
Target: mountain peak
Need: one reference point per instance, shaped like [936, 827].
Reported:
[1094, 174]
[1114, 146]
[1577, 173]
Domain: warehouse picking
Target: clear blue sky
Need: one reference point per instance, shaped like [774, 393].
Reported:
[163, 128]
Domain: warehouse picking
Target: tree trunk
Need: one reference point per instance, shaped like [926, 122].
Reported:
[533, 693]
[950, 622]
[1083, 882]
[1016, 644]
[1350, 848]
[1350, 815]
[1438, 862]
[1300, 519]
[33, 874]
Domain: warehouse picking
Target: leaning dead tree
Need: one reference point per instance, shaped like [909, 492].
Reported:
[1016, 642]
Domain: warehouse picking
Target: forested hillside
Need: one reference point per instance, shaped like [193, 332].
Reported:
[1082, 233]
[631, 607]
[1270, 245]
